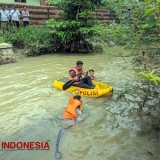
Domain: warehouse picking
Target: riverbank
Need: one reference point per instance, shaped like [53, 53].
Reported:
[8, 54]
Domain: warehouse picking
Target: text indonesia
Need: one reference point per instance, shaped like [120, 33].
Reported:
[25, 145]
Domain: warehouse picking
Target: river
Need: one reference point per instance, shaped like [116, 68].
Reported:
[29, 107]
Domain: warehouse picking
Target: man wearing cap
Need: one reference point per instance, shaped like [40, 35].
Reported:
[76, 72]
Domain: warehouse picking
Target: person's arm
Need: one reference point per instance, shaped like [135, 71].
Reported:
[94, 78]
[71, 75]
[28, 14]
[19, 15]
[22, 14]
[86, 73]
[7, 16]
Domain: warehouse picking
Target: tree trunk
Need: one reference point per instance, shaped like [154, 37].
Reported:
[77, 15]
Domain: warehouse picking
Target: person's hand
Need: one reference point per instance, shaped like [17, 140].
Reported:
[87, 70]
[80, 118]
[85, 73]
[76, 78]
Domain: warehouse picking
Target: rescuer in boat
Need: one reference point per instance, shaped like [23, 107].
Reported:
[74, 108]
[76, 72]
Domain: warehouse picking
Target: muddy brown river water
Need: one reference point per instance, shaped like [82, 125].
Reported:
[29, 107]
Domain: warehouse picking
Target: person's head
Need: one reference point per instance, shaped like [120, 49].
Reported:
[7, 7]
[78, 97]
[10, 7]
[14, 6]
[91, 72]
[25, 8]
[79, 65]
[3, 8]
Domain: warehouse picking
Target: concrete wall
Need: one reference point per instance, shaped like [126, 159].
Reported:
[31, 2]
[6, 54]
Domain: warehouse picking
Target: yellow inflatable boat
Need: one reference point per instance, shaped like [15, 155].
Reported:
[100, 89]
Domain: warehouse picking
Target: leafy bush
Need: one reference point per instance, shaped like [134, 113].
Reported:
[1, 37]
[139, 29]
[71, 36]
[77, 28]
[34, 40]
[1, 40]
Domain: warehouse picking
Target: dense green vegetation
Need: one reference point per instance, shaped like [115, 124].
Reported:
[1, 40]
[140, 22]
[77, 26]
[33, 40]
[74, 32]
[139, 31]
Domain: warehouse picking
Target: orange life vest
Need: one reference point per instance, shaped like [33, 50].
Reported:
[70, 110]
[78, 73]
